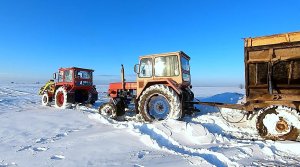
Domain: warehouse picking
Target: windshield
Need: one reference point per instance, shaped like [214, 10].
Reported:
[166, 66]
[185, 64]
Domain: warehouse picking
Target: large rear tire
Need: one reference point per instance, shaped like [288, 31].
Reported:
[159, 102]
[278, 123]
[90, 99]
[61, 97]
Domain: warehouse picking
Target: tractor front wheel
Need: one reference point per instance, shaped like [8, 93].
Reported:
[46, 99]
[159, 102]
[61, 98]
[108, 109]
[278, 123]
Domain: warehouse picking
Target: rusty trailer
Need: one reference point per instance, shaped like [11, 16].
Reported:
[272, 83]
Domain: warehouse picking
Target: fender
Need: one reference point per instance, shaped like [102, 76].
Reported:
[167, 81]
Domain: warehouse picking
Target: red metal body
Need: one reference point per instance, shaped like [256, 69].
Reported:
[114, 88]
[79, 88]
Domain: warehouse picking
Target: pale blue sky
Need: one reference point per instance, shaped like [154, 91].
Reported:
[39, 36]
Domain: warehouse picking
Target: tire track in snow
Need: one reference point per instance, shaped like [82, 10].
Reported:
[3, 164]
[166, 142]
[13, 99]
[161, 140]
[248, 139]
[42, 144]
[14, 92]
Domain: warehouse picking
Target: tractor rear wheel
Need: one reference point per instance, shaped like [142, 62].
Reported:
[90, 99]
[45, 99]
[159, 102]
[61, 96]
[278, 123]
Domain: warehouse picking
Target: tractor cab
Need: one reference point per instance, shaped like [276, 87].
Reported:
[160, 92]
[76, 77]
[172, 66]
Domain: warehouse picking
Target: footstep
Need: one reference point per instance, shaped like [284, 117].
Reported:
[41, 140]
[62, 135]
[137, 165]
[40, 149]
[58, 157]
[24, 148]
[142, 154]
[8, 164]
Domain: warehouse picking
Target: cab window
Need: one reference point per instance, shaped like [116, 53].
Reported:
[185, 64]
[166, 66]
[145, 68]
[83, 75]
[60, 76]
[68, 75]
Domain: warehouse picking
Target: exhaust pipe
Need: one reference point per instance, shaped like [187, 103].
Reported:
[122, 77]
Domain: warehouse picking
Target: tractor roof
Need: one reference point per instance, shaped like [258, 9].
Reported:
[76, 68]
[167, 54]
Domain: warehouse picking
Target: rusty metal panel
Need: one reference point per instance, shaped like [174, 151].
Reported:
[260, 55]
[296, 72]
[273, 39]
[294, 36]
[252, 74]
[272, 68]
[287, 53]
[268, 40]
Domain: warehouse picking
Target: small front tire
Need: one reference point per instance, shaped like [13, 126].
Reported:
[46, 99]
[108, 109]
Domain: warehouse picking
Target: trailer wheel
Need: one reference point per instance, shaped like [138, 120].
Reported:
[159, 102]
[108, 109]
[61, 98]
[278, 123]
[46, 99]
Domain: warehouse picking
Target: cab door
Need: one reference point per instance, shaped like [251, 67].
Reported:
[145, 73]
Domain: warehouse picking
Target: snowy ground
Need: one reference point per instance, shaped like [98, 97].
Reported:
[34, 135]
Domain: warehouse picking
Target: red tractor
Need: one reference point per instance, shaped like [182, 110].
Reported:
[73, 85]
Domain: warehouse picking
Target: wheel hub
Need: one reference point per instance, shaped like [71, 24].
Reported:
[45, 99]
[107, 110]
[159, 107]
[278, 123]
[60, 98]
[282, 125]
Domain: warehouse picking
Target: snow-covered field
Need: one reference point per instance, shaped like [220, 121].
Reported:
[34, 135]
